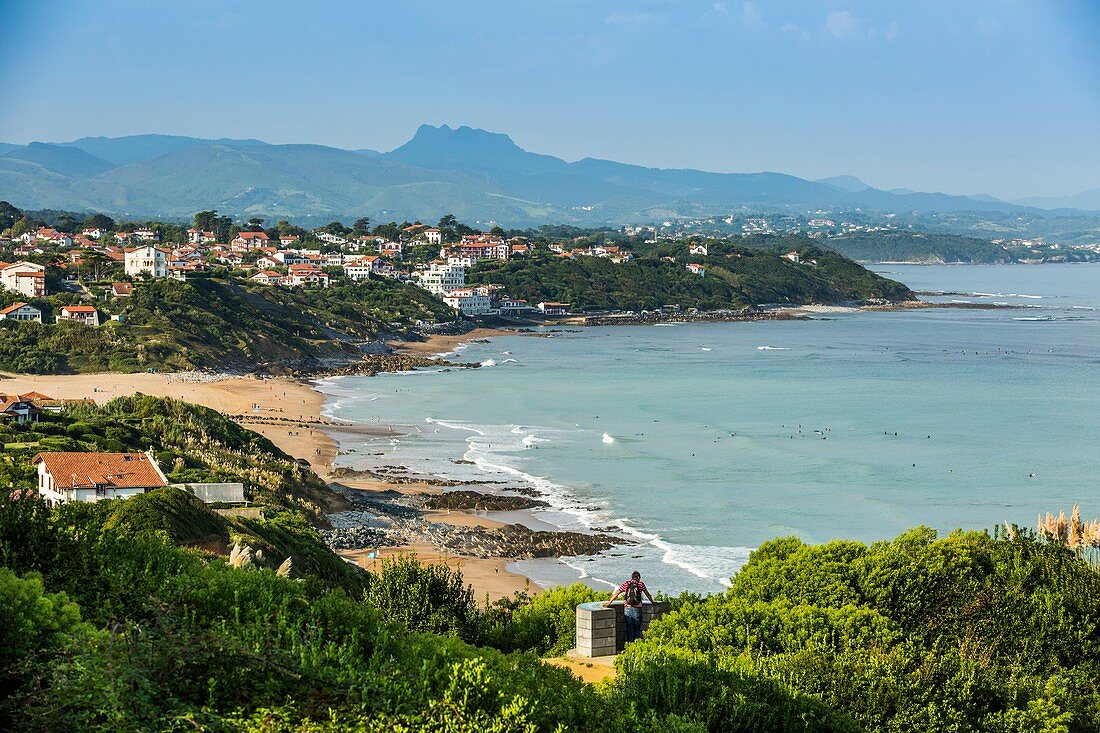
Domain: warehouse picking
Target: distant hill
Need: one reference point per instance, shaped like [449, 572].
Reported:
[1087, 200]
[905, 246]
[140, 148]
[479, 176]
[65, 161]
[851, 184]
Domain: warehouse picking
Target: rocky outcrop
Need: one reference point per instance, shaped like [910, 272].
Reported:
[477, 501]
[517, 541]
[392, 519]
[372, 364]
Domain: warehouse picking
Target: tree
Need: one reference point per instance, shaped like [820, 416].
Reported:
[205, 220]
[255, 224]
[222, 227]
[497, 230]
[66, 222]
[452, 229]
[100, 221]
[361, 226]
[390, 231]
[335, 227]
[9, 215]
[95, 261]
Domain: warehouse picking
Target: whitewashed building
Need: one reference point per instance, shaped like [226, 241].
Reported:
[468, 302]
[441, 278]
[90, 477]
[148, 260]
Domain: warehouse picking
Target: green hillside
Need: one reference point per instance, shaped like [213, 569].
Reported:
[134, 615]
[736, 276]
[220, 323]
[904, 246]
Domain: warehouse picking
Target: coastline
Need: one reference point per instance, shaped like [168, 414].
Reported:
[291, 413]
[288, 412]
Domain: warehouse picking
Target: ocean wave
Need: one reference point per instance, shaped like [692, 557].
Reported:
[496, 450]
[1034, 318]
[772, 348]
[489, 363]
[1006, 295]
[510, 361]
[704, 348]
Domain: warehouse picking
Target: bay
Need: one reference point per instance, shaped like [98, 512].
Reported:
[702, 441]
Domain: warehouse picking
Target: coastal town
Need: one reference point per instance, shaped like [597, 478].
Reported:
[320, 258]
[435, 259]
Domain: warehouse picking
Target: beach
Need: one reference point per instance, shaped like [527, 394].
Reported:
[288, 412]
[444, 344]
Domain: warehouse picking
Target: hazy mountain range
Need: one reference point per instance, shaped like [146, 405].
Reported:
[477, 175]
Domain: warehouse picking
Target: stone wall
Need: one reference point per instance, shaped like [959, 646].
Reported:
[601, 631]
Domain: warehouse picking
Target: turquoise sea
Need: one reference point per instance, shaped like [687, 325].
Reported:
[701, 441]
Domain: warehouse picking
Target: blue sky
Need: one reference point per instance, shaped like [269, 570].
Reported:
[995, 96]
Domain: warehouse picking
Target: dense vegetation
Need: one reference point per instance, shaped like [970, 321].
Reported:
[736, 276]
[128, 616]
[964, 633]
[906, 246]
[192, 444]
[220, 323]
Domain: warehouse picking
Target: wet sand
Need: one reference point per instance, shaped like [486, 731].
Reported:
[445, 344]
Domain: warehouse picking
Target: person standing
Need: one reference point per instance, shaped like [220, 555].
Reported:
[632, 592]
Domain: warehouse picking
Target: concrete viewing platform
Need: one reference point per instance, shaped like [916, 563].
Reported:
[601, 630]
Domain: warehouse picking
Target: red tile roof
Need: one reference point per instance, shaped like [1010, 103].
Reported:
[12, 308]
[87, 470]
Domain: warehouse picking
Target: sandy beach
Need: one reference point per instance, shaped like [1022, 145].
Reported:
[288, 412]
[445, 344]
[285, 411]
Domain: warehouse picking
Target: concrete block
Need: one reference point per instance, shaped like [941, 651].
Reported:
[599, 631]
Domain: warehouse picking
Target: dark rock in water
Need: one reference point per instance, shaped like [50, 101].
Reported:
[465, 499]
[515, 540]
[372, 364]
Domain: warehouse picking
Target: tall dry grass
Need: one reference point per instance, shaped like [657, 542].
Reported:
[1080, 536]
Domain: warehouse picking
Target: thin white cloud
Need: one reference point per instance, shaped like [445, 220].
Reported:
[892, 31]
[841, 23]
[751, 15]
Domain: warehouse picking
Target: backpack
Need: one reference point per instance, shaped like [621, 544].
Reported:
[633, 594]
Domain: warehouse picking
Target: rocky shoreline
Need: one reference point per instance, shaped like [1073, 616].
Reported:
[379, 519]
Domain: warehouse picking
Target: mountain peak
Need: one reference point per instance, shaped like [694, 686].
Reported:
[848, 184]
[463, 135]
[469, 148]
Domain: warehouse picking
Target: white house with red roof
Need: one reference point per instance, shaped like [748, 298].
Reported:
[551, 308]
[697, 269]
[21, 312]
[267, 277]
[85, 314]
[306, 276]
[468, 302]
[90, 477]
[361, 268]
[25, 278]
[246, 241]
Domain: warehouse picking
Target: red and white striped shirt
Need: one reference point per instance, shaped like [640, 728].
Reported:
[641, 587]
